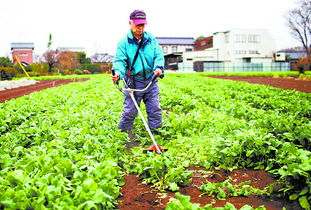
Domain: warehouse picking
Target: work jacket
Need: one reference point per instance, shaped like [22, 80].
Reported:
[150, 56]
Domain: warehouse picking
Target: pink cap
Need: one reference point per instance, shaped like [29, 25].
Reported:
[139, 21]
[138, 17]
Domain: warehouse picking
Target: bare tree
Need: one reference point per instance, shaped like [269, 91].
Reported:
[50, 57]
[299, 23]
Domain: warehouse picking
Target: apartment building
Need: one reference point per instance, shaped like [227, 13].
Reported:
[236, 45]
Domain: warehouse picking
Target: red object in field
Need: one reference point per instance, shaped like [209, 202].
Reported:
[153, 148]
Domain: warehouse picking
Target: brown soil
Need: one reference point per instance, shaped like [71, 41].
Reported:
[291, 83]
[136, 195]
[42, 84]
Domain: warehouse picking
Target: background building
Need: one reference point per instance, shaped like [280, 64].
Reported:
[203, 43]
[233, 50]
[176, 44]
[102, 58]
[296, 57]
[70, 49]
[173, 47]
[23, 51]
[236, 45]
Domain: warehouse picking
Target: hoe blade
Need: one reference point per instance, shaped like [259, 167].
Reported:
[153, 148]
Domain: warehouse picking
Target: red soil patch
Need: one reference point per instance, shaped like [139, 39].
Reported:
[136, 195]
[40, 85]
[291, 83]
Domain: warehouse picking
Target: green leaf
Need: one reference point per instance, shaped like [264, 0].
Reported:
[111, 163]
[230, 206]
[88, 205]
[173, 186]
[293, 196]
[89, 184]
[9, 204]
[182, 203]
[16, 177]
[304, 203]
[304, 191]
[306, 166]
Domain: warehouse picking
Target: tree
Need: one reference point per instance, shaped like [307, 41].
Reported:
[7, 71]
[200, 37]
[299, 23]
[50, 41]
[67, 62]
[50, 57]
[81, 57]
[5, 62]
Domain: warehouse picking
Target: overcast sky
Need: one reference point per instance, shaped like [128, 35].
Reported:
[97, 25]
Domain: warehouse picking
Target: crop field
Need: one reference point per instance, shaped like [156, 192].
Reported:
[60, 148]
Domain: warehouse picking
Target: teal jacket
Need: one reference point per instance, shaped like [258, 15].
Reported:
[150, 56]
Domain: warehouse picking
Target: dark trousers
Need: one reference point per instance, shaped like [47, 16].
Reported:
[151, 99]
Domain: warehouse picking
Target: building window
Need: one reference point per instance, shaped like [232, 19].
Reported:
[240, 38]
[253, 38]
[174, 48]
[188, 49]
[165, 49]
[23, 54]
[253, 52]
[240, 52]
[227, 38]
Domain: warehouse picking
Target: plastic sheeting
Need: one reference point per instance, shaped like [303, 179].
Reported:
[16, 83]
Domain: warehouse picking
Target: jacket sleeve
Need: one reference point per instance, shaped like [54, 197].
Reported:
[159, 59]
[119, 63]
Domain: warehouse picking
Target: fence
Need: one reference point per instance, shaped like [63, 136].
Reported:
[244, 67]
[185, 67]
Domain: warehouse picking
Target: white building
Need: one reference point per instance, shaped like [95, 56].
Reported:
[176, 44]
[236, 45]
[71, 49]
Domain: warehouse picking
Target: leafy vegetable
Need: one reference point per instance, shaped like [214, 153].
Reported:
[61, 148]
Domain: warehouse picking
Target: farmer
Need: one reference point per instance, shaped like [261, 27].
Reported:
[138, 57]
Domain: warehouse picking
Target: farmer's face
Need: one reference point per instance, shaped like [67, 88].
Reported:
[137, 30]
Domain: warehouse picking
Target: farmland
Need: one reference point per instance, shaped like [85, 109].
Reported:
[60, 147]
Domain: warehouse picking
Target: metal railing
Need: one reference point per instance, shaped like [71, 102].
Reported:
[245, 67]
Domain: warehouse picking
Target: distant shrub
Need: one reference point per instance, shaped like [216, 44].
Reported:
[97, 68]
[39, 69]
[7, 73]
[78, 71]
[93, 68]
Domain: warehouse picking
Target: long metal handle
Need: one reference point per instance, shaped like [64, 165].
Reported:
[154, 77]
[145, 123]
